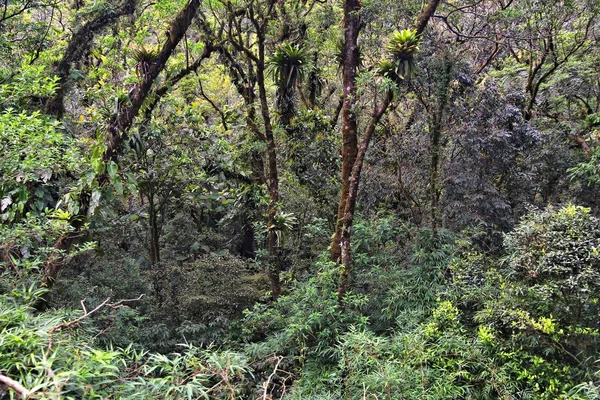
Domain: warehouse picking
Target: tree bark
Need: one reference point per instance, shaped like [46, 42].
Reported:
[349, 123]
[14, 385]
[273, 176]
[435, 137]
[426, 15]
[353, 186]
[154, 228]
[433, 176]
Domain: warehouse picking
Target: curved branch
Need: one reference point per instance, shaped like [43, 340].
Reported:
[174, 80]
[78, 47]
[125, 116]
[426, 15]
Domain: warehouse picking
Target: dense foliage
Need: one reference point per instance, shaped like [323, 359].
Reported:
[299, 200]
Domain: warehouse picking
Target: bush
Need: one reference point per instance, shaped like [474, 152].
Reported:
[556, 253]
[539, 300]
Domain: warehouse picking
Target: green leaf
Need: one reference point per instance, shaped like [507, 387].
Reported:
[112, 168]
[96, 160]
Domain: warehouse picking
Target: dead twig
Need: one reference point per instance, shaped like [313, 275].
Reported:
[86, 313]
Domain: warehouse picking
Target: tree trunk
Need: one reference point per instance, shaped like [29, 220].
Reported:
[349, 123]
[78, 47]
[353, 186]
[435, 136]
[434, 194]
[125, 116]
[273, 176]
[313, 83]
[154, 228]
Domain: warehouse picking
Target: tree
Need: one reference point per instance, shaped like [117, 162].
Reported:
[245, 28]
[119, 126]
[353, 156]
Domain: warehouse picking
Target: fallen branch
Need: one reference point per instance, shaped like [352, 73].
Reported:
[86, 313]
[14, 385]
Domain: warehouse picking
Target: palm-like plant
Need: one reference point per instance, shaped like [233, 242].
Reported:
[404, 44]
[388, 69]
[144, 55]
[287, 66]
[144, 58]
[402, 47]
[284, 223]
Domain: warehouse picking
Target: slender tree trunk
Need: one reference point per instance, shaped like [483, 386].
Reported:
[434, 194]
[154, 228]
[349, 123]
[353, 186]
[313, 83]
[435, 137]
[273, 176]
[285, 104]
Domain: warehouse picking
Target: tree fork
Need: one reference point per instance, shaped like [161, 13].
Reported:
[353, 186]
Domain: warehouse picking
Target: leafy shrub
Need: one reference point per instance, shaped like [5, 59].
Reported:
[34, 151]
[556, 253]
[200, 297]
[539, 301]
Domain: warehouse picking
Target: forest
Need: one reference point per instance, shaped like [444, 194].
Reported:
[300, 199]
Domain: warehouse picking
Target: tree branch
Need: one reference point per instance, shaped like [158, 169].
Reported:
[426, 14]
[125, 116]
[86, 314]
[268, 382]
[78, 46]
[14, 385]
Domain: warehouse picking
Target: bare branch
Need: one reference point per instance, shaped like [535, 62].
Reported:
[86, 313]
[14, 385]
[268, 382]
